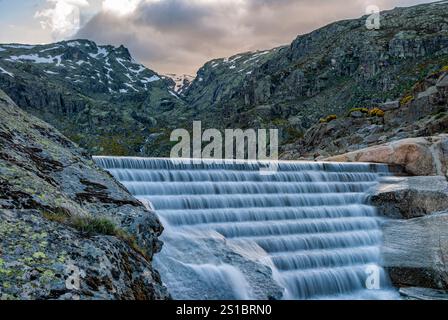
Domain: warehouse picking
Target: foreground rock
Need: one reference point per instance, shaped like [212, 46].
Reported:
[415, 230]
[416, 251]
[411, 197]
[424, 156]
[67, 228]
[42, 259]
[415, 293]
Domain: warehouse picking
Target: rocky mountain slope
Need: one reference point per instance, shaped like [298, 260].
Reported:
[181, 82]
[68, 230]
[102, 99]
[421, 112]
[96, 95]
[328, 71]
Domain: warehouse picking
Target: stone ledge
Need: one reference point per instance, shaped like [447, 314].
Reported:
[411, 197]
[424, 156]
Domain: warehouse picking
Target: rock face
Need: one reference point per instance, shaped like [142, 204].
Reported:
[423, 156]
[416, 293]
[411, 197]
[98, 96]
[67, 229]
[420, 114]
[328, 71]
[415, 231]
[416, 251]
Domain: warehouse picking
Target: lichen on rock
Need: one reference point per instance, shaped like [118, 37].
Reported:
[47, 186]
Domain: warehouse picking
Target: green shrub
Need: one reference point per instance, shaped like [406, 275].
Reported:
[92, 225]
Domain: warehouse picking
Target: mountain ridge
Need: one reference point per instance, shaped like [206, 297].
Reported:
[79, 86]
[328, 71]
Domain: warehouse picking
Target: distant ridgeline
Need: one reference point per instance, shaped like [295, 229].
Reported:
[101, 98]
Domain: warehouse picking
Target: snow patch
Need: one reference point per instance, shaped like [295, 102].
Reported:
[149, 80]
[19, 46]
[129, 77]
[121, 61]
[50, 72]
[131, 86]
[81, 62]
[183, 82]
[37, 59]
[6, 72]
[74, 44]
[256, 56]
[140, 69]
[173, 94]
[101, 52]
[49, 49]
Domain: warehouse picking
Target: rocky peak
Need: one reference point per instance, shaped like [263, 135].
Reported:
[82, 64]
[97, 95]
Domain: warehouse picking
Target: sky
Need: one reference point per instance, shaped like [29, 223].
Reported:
[177, 36]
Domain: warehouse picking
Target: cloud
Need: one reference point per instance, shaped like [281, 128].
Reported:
[63, 17]
[180, 35]
[120, 7]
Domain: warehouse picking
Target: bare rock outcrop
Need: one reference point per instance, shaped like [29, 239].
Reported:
[424, 156]
[68, 229]
[416, 251]
[415, 230]
[411, 197]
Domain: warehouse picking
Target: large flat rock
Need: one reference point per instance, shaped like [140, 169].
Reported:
[415, 251]
[424, 156]
[411, 197]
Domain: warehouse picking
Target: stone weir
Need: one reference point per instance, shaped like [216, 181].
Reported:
[232, 232]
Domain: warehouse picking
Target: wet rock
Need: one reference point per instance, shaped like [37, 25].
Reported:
[415, 293]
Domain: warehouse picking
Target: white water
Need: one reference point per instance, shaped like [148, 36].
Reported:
[305, 232]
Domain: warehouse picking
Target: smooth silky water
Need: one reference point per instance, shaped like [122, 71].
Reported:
[305, 232]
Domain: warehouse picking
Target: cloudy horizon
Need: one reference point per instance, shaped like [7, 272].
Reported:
[177, 36]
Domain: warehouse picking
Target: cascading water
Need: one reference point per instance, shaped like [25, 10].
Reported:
[305, 232]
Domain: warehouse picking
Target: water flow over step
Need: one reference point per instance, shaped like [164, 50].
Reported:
[305, 232]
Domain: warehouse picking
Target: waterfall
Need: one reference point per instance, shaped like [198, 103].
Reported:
[305, 232]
